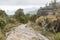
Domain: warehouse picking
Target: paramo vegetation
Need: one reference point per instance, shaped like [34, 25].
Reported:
[48, 25]
[9, 21]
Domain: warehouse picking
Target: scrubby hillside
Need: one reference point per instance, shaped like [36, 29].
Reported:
[50, 24]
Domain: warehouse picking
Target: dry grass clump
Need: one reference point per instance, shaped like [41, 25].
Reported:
[51, 24]
[40, 19]
[48, 18]
[51, 18]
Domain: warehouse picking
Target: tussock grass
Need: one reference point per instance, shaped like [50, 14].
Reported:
[39, 29]
[35, 26]
[2, 36]
[57, 36]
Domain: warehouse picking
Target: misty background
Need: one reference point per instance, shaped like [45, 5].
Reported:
[10, 6]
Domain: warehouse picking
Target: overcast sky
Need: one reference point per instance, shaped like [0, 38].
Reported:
[11, 6]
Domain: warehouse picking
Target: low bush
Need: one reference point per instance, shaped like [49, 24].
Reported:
[2, 23]
[49, 22]
[33, 17]
[23, 19]
[12, 20]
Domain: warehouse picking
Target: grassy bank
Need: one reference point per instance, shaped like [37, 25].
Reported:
[41, 30]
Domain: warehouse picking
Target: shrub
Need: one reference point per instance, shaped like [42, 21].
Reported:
[12, 20]
[3, 14]
[40, 20]
[33, 17]
[24, 19]
[2, 22]
[49, 22]
[47, 19]
[18, 14]
[51, 18]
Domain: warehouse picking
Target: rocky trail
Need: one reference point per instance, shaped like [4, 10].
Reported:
[22, 32]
